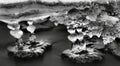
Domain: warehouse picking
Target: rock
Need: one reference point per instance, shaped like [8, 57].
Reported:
[96, 43]
[114, 48]
[82, 56]
[73, 11]
[28, 49]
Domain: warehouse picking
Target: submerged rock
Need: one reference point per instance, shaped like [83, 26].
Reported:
[82, 56]
[114, 48]
[28, 49]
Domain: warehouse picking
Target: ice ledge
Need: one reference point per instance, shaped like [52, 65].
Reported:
[53, 1]
[32, 18]
[48, 1]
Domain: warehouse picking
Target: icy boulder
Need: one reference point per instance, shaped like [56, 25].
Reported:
[78, 55]
[28, 49]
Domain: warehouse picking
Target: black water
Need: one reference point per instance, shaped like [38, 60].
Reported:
[51, 58]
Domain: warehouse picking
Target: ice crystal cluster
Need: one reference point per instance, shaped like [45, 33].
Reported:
[28, 49]
[95, 19]
[86, 22]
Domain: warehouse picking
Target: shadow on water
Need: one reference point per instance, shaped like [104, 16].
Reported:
[52, 57]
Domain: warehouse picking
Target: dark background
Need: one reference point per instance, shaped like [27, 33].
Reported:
[58, 36]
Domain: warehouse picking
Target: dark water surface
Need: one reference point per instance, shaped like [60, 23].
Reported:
[51, 57]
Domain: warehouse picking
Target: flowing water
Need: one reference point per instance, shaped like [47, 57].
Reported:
[52, 57]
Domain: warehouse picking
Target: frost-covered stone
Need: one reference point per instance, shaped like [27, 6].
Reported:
[78, 55]
[29, 49]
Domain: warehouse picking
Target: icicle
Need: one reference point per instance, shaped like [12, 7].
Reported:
[79, 30]
[13, 26]
[16, 33]
[30, 22]
[72, 38]
[71, 31]
[80, 37]
[31, 28]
